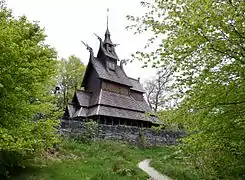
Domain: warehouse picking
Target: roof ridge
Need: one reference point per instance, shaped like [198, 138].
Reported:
[133, 78]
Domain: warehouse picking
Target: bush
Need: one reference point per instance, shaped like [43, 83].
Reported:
[19, 147]
[142, 139]
[89, 132]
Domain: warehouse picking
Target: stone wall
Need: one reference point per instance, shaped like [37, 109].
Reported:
[129, 134]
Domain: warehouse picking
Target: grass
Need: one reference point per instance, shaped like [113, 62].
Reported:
[104, 160]
[176, 166]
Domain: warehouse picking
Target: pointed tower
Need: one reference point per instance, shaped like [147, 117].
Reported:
[108, 35]
[109, 95]
[107, 42]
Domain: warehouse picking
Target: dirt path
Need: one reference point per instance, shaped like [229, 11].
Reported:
[155, 175]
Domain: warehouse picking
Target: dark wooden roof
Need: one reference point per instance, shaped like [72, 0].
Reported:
[108, 37]
[81, 112]
[111, 99]
[116, 112]
[121, 113]
[110, 104]
[83, 98]
[117, 100]
[117, 76]
[136, 85]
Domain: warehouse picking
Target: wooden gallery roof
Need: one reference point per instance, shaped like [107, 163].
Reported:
[98, 99]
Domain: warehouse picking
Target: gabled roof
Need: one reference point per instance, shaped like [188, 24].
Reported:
[83, 98]
[106, 51]
[117, 76]
[136, 85]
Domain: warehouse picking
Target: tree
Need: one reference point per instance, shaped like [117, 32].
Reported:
[158, 89]
[27, 68]
[70, 75]
[205, 42]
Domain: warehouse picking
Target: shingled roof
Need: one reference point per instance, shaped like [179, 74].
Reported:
[121, 101]
[136, 85]
[121, 113]
[111, 104]
[117, 76]
[83, 98]
[111, 99]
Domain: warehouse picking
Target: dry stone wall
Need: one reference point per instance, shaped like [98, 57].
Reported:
[131, 134]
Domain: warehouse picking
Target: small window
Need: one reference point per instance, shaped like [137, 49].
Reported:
[111, 66]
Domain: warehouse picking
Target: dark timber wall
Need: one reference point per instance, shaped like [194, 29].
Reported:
[93, 82]
[116, 88]
[129, 134]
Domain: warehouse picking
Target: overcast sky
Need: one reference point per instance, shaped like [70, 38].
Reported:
[69, 22]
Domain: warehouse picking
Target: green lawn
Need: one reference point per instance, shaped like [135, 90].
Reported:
[176, 166]
[104, 160]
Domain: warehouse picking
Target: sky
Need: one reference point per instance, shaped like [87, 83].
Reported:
[66, 23]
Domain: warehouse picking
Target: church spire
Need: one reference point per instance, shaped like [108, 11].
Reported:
[107, 21]
[107, 33]
[107, 48]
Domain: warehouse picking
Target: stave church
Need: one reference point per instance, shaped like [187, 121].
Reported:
[109, 96]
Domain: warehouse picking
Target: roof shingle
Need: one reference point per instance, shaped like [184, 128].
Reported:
[120, 101]
[136, 85]
[81, 112]
[116, 100]
[117, 76]
[83, 98]
[121, 113]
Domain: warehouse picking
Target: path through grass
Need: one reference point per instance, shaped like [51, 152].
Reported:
[104, 160]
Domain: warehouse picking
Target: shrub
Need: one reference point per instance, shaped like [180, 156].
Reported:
[142, 139]
[89, 132]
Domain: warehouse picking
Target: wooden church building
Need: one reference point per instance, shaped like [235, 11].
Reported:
[109, 95]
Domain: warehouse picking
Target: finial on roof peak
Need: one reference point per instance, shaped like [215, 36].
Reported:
[107, 16]
[107, 33]
[107, 23]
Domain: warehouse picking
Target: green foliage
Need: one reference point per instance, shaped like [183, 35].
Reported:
[158, 129]
[70, 75]
[169, 118]
[176, 166]
[108, 160]
[27, 67]
[205, 42]
[142, 139]
[89, 132]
